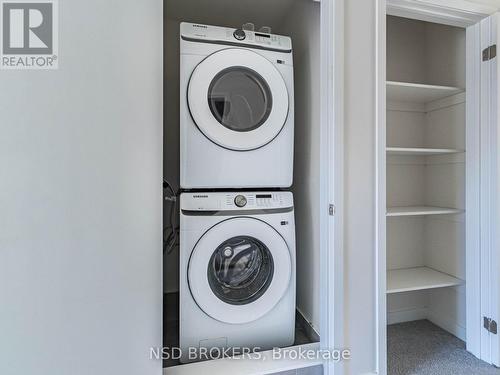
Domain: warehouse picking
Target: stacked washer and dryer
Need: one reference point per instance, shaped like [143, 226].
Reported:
[237, 229]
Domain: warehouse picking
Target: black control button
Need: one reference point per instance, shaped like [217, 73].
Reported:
[239, 34]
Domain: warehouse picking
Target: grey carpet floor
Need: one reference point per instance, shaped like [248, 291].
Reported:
[422, 348]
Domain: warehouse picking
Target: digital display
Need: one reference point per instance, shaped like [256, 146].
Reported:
[263, 196]
[263, 35]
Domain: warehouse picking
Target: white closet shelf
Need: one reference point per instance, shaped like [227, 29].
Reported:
[421, 151]
[418, 93]
[421, 210]
[418, 278]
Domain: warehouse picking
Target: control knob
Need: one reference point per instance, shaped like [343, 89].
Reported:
[240, 201]
[239, 34]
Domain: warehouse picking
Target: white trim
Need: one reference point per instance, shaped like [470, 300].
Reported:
[472, 170]
[460, 13]
[447, 324]
[246, 366]
[380, 191]
[331, 180]
[485, 188]
[495, 256]
[407, 315]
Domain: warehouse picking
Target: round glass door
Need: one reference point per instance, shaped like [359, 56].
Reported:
[238, 99]
[239, 270]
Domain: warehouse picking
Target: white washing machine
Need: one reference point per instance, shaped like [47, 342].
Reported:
[237, 271]
[236, 108]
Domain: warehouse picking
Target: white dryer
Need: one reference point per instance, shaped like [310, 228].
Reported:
[236, 108]
[237, 271]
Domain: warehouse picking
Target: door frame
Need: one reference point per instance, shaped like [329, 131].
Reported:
[380, 189]
[460, 13]
[454, 13]
[486, 35]
[331, 180]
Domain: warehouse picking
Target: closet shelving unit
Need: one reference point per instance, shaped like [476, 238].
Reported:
[418, 278]
[418, 93]
[420, 98]
[421, 151]
[421, 211]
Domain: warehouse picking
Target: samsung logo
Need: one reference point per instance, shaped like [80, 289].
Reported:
[200, 196]
[201, 26]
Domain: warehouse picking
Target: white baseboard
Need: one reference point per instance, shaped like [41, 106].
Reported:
[394, 317]
[447, 324]
[401, 316]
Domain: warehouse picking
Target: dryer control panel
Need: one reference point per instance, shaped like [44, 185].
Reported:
[236, 201]
[226, 35]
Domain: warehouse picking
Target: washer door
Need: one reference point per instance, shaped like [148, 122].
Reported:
[238, 99]
[239, 270]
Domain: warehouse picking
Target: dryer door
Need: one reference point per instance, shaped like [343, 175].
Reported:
[238, 99]
[239, 270]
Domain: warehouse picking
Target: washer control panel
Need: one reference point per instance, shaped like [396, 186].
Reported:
[236, 201]
[226, 35]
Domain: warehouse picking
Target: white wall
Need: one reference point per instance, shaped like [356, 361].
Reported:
[445, 48]
[406, 50]
[80, 198]
[171, 140]
[424, 52]
[302, 24]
